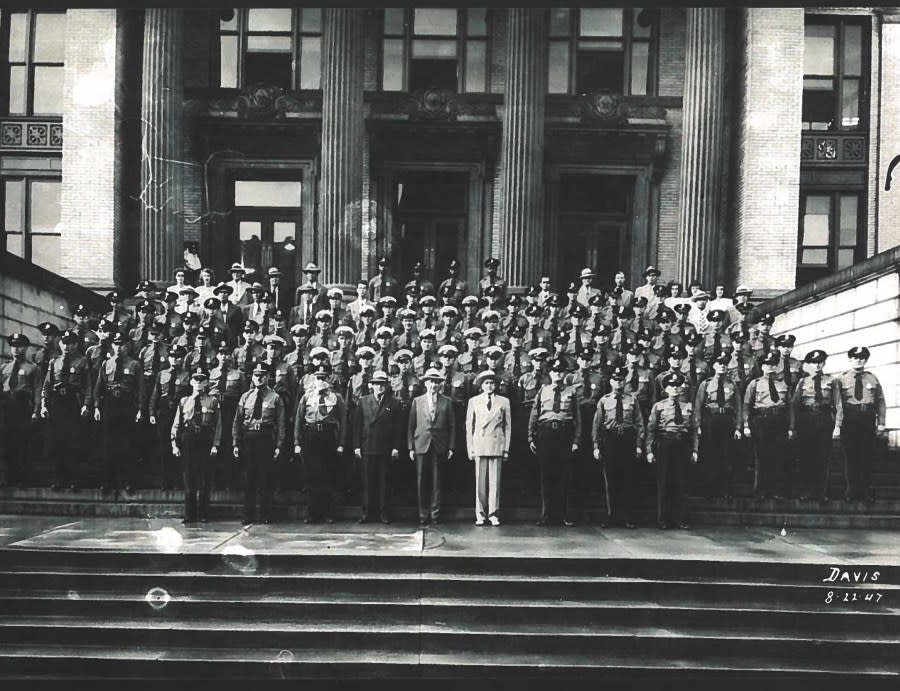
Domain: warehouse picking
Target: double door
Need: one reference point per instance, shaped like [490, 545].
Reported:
[264, 237]
[432, 240]
[586, 240]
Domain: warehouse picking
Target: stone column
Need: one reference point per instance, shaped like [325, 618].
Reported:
[161, 194]
[522, 164]
[343, 124]
[703, 146]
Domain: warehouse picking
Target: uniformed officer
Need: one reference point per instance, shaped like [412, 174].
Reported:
[742, 367]
[719, 411]
[21, 398]
[169, 387]
[715, 340]
[247, 353]
[492, 279]
[515, 361]
[49, 349]
[196, 435]
[815, 419]
[588, 386]
[117, 399]
[258, 433]
[65, 397]
[383, 284]
[766, 404]
[790, 369]
[297, 358]
[864, 414]
[535, 335]
[86, 336]
[554, 436]
[228, 384]
[671, 443]
[639, 382]
[320, 429]
[359, 382]
[429, 356]
[618, 440]
[472, 361]
[452, 288]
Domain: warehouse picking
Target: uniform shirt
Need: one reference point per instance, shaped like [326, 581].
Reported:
[429, 322]
[528, 386]
[409, 341]
[543, 412]
[358, 387]
[153, 353]
[757, 396]
[605, 418]
[455, 386]
[235, 383]
[639, 382]
[588, 392]
[297, 360]
[96, 355]
[804, 397]
[662, 419]
[244, 355]
[323, 339]
[272, 415]
[424, 361]
[708, 396]
[382, 286]
[159, 397]
[459, 288]
[406, 387]
[488, 281]
[204, 412]
[516, 362]
[73, 376]
[536, 337]
[511, 320]
[872, 393]
[131, 379]
[317, 410]
[28, 381]
[344, 364]
[796, 370]
[471, 362]
[708, 346]
[42, 358]
[497, 338]
[742, 367]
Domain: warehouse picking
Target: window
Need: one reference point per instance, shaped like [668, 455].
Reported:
[830, 238]
[435, 48]
[31, 219]
[35, 55]
[835, 60]
[605, 49]
[279, 46]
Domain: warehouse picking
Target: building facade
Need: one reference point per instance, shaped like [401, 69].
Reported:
[734, 146]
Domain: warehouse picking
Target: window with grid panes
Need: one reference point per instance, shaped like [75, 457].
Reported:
[835, 73]
[35, 60]
[279, 46]
[830, 237]
[31, 219]
[436, 48]
[602, 49]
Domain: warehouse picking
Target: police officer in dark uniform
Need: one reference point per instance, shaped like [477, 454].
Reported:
[492, 279]
[65, 396]
[554, 436]
[196, 434]
[815, 420]
[21, 399]
[170, 385]
[588, 387]
[320, 429]
[618, 440]
[719, 411]
[258, 433]
[766, 404]
[864, 417]
[228, 383]
[117, 399]
[452, 288]
[672, 443]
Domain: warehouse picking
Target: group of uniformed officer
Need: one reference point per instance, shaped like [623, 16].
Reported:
[604, 374]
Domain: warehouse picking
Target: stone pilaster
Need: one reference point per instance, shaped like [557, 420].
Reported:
[162, 142]
[343, 126]
[522, 163]
[703, 146]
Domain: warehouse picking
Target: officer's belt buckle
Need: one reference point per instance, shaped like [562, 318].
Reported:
[255, 426]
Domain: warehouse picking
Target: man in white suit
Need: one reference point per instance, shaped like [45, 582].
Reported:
[488, 435]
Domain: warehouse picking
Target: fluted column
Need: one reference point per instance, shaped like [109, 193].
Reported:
[340, 206]
[161, 194]
[522, 199]
[703, 145]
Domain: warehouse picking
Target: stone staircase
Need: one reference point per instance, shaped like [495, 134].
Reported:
[79, 614]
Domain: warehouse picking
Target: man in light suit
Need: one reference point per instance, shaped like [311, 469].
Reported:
[376, 440]
[487, 435]
[430, 438]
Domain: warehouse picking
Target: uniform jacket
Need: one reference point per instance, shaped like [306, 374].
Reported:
[209, 417]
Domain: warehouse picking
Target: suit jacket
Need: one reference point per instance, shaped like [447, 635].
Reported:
[488, 431]
[424, 431]
[376, 429]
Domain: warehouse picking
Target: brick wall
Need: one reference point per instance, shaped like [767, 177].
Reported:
[768, 156]
[874, 181]
[866, 314]
[889, 201]
[671, 83]
[497, 48]
[88, 192]
[374, 22]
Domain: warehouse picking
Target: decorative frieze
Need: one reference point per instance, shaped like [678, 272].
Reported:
[31, 135]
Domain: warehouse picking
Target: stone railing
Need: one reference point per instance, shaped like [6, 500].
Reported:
[859, 306]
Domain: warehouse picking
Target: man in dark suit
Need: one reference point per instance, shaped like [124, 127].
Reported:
[431, 439]
[376, 441]
[311, 291]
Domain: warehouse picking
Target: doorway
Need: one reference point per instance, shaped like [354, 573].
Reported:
[594, 227]
[429, 225]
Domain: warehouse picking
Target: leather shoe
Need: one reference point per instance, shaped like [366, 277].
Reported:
[435, 521]
[683, 526]
[385, 520]
[542, 522]
[662, 526]
[494, 521]
[423, 521]
[479, 521]
[329, 520]
[362, 519]
[629, 524]
[568, 523]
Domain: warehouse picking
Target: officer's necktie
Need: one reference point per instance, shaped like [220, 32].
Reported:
[517, 365]
[679, 418]
[858, 389]
[634, 379]
[14, 375]
[404, 391]
[586, 384]
[557, 398]
[717, 344]
[65, 368]
[665, 342]
[740, 364]
[475, 365]
[365, 383]
[787, 375]
[693, 373]
[257, 406]
[620, 414]
[170, 391]
[773, 392]
[117, 373]
[720, 392]
[534, 339]
[447, 384]
[195, 407]
[154, 367]
[489, 402]
[493, 339]
[323, 409]
[817, 380]
[223, 379]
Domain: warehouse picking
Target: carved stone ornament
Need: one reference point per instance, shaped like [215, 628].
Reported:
[433, 104]
[255, 102]
[602, 106]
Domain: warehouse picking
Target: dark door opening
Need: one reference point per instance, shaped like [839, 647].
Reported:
[429, 223]
[594, 225]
